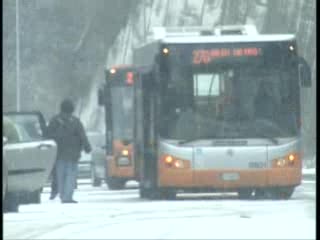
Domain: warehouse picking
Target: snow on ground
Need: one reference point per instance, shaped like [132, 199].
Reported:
[103, 214]
[309, 171]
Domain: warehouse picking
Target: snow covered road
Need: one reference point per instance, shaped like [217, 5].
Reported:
[104, 214]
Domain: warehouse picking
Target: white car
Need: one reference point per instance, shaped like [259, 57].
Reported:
[28, 158]
[92, 165]
[98, 158]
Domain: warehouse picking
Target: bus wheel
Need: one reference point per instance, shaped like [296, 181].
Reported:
[150, 193]
[115, 184]
[260, 194]
[281, 193]
[168, 194]
[245, 194]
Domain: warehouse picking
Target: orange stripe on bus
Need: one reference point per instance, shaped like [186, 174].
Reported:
[213, 178]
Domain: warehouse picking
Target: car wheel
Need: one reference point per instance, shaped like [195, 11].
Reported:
[35, 197]
[4, 181]
[11, 202]
[142, 192]
[96, 182]
[30, 197]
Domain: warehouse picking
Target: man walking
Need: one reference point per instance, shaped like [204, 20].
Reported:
[69, 134]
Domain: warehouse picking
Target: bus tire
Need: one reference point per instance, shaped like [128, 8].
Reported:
[150, 193]
[245, 194]
[260, 193]
[168, 194]
[154, 193]
[281, 193]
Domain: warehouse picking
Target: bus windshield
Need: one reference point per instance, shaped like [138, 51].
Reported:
[231, 100]
[122, 112]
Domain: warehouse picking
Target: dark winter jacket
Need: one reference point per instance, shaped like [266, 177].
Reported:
[69, 134]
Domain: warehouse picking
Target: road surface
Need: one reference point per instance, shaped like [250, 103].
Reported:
[104, 214]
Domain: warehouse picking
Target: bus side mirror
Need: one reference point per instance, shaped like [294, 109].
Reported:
[101, 97]
[304, 73]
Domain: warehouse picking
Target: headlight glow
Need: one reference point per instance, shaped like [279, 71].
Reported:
[168, 159]
[291, 157]
[125, 152]
[165, 51]
[178, 164]
[281, 162]
[113, 70]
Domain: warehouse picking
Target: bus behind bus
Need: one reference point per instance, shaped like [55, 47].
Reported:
[117, 99]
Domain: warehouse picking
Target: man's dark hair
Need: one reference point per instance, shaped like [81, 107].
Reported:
[67, 106]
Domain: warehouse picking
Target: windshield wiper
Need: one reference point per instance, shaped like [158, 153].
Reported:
[194, 139]
[187, 140]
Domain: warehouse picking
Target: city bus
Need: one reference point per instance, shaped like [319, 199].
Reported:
[219, 111]
[117, 98]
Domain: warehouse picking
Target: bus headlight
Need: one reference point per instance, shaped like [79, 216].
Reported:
[173, 162]
[281, 162]
[286, 161]
[168, 159]
[165, 51]
[178, 163]
[125, 152]
[113, 70]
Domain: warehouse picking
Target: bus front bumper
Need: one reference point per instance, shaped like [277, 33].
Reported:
[230, 178]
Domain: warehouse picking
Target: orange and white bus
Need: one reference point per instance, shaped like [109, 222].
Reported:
[117, 98]
[219, 111]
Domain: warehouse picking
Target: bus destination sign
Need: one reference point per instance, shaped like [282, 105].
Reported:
[205, 56]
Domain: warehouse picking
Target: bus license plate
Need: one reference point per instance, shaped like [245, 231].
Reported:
[230, 176]
[123, 161]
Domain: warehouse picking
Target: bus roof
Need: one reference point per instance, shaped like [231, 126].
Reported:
[229, 38]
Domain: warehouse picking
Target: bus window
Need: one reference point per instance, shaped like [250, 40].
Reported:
[206, 84]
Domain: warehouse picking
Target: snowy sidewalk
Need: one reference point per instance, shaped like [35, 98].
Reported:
[309, 173]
